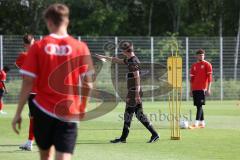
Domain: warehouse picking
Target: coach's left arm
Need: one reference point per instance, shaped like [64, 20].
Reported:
[137, 86]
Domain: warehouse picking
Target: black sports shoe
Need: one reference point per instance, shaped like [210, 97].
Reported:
[118, 140]
[154, 138]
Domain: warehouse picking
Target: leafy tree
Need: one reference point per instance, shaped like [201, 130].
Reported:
[127, 17]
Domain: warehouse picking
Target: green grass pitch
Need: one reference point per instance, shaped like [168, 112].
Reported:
[219, 140]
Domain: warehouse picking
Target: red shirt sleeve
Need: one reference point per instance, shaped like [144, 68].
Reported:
[2, 76]
[30, 66]
[84, 49]
[87, 60]
[20, 60]
[209, 72]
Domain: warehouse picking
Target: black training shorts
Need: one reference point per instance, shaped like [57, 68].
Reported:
[198, 97]
[50, 131]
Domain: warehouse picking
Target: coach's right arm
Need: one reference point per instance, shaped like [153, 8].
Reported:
[111, 59]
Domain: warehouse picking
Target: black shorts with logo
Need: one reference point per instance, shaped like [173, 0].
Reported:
[198, 97]
[50, 131]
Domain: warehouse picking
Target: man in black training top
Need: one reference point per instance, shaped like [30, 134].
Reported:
[133, 99]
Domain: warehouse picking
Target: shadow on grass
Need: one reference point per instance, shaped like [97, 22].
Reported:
[115, 129]
[9, 145]
[91, 141]
[18, 151]
[15, 149]
[94, 142]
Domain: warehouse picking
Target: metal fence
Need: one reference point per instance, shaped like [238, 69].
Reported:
[153, 52]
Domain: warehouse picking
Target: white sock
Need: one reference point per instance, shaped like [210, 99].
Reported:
[196, 123]
[30, 142]
[203, 123]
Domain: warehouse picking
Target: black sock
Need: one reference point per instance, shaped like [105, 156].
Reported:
[202, 116]
[199, 112]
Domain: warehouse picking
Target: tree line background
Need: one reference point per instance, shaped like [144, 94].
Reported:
[168, 18]
[127, 17]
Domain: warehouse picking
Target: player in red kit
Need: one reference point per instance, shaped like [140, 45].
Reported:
[3, 77]
[201, 79]
[57, 61]
[28, 41]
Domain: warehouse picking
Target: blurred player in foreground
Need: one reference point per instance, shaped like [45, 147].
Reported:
[28, 41]
[3, 89]
[133, 98]
[201, 79]
[58, 60]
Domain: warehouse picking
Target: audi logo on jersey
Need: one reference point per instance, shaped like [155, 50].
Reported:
[59, 50]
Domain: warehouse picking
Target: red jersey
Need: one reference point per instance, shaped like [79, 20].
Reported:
[57, 62]
[201, 75]
[3, 77]
[20, 60]
[19, 63]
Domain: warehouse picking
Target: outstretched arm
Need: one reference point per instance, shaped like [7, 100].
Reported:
[111, 59]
